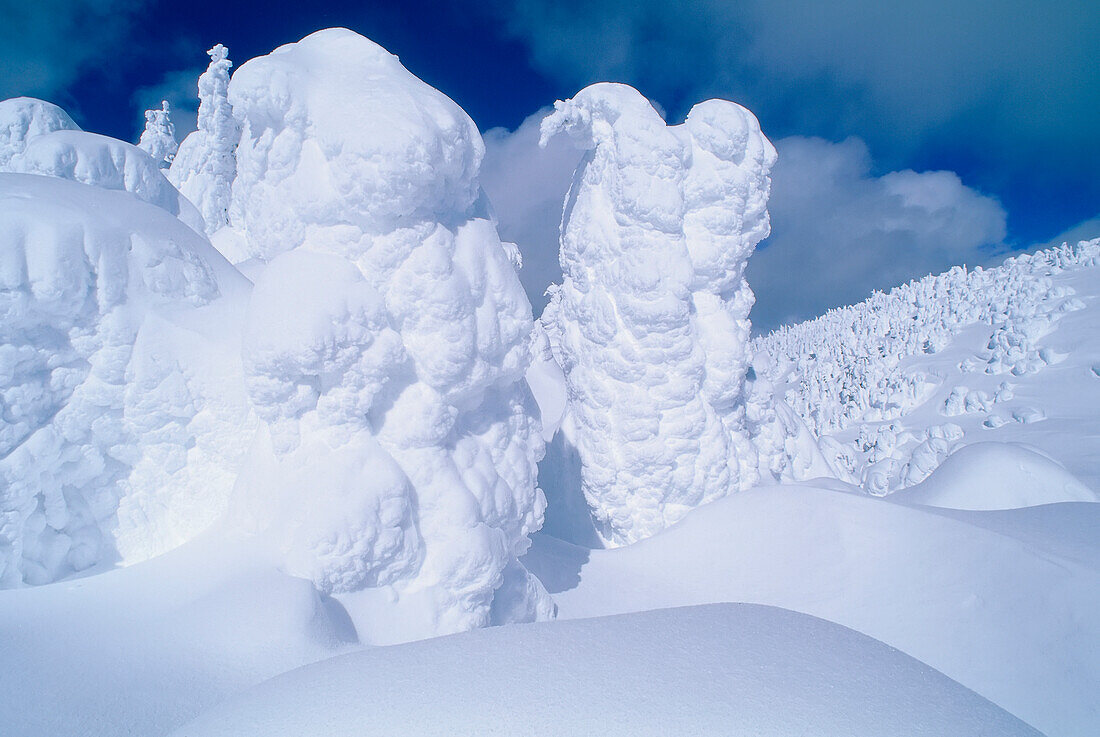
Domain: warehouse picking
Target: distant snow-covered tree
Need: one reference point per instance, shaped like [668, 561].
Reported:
[205, 166]
[159, 137]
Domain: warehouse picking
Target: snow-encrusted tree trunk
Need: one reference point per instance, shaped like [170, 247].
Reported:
[205, 165]
[159, 137]
[651, 321]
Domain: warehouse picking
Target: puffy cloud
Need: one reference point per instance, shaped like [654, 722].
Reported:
[838, 231]
[46, 45]
[1008, 92]
[527, 185]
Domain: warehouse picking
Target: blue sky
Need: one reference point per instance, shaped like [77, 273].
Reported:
[1005, 95]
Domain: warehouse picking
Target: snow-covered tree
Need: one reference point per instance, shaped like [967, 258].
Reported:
[651, 321]
[385, 345]
[159, 137]
[205, 165]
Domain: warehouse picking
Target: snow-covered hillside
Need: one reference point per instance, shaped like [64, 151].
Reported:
[275, 407]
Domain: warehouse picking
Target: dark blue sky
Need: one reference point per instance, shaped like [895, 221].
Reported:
[1006, 94]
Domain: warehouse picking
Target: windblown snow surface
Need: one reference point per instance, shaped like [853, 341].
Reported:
[222, 499]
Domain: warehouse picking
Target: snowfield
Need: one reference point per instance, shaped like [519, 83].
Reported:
[276, 423]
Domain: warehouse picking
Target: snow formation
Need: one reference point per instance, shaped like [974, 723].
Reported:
[22, 118]
[204, 166]
[385, 345]
[112, 444]
[651, 322]
[159, 137]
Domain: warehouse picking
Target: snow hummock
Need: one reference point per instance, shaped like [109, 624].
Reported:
[650, 323]
[385, 345]
[997, 476]
[115, 397]
[1004, 607]
[718, 669]
[22, 118]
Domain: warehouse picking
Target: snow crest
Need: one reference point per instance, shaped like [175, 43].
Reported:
[651, 321]
[385, 345]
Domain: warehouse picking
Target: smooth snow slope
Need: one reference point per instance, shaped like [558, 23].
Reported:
[1010, 618]
[717, 670]
[143, 649]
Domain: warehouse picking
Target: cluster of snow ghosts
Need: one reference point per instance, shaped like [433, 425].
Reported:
[844, 372]
[650, 324]
[385, 345]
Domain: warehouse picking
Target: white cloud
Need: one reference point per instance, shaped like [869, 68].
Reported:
[838, 231]
[527, 187]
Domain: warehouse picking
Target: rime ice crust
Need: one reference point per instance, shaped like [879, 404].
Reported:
[651, 321]
[386, 343]
[22, 118]
[109, 447]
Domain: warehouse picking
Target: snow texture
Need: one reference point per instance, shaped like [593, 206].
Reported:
[385, 345]
[205, 166]
[114, 444]
[651, 321]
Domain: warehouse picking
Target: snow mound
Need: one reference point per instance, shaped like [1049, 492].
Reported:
[103, 162]
[1009, 617]
[719, 669]
[650, 323]
[996, 476]
[117, 440]
[385, 345]
[22, 118]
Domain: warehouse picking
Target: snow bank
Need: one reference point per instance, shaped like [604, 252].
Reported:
[720, 669]
[996, 476]
[1005, 607]
[651, 321]
[22, 118]
[385, 345]
[117, 440]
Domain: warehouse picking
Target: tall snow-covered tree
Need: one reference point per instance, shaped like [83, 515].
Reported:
[206, 164]
[159, 137]
[651, 321]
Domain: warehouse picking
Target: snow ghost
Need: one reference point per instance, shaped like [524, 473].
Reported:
[385, 345]
[205, 166]
[120, 433]
[651, 321]
[159, 137]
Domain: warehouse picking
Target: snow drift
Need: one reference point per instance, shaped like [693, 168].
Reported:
[385, 345]
[650, 323]
[718, 669]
